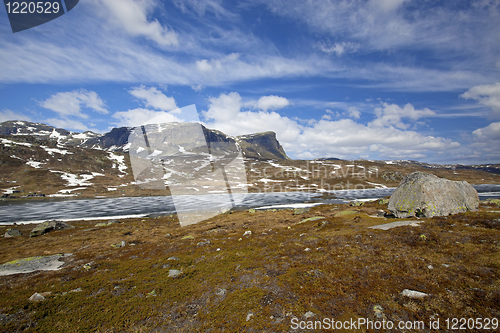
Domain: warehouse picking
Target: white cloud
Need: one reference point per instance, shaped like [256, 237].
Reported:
[69, 104]
[272, 103]
[7, 114]
[202, 6]
[486, 94]
[341, 138]
[339, 48]
[488, 134]
[392, 115]
[387, 5]
[353, 112]
[154, 98]
[139, 116]
[132, 16]
[225, 114]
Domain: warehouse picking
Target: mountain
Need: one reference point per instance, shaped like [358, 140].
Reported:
[260, 145]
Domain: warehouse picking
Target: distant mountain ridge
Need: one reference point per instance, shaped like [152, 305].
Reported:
[259, 145]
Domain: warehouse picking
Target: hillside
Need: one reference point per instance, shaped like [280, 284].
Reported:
[38, 159]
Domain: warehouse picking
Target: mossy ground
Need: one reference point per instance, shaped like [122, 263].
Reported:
[346, 270]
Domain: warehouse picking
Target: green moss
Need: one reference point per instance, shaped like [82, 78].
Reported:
[314, 218]
[20, 261]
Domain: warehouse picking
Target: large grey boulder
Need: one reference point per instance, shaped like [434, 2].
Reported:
[423, 194]
[12, 233]
[48, 226]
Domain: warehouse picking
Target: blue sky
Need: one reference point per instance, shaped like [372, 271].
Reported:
[387, 79]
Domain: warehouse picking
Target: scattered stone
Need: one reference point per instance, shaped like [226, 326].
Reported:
[307, 249]
[48, 226]
[430, 267]
[118, 245]
[105, 224]
[357, 203]
[188, 237]
[249, 316]
[247, 233]
[445, 265]
[220, 292]
[299, 211]
[251, 210]
[12, 233]
[173, 258]
[414, 294]
[424, 194]
[168, 235]
[36, 297]
[88, 266]
[152, 293]
[391, 225]
[77, 290]
[165, 266]
[309, 314]
[378, 310]
[32, 264]
[203, 243]
[173, 273]
[383, 201]
[314, 218]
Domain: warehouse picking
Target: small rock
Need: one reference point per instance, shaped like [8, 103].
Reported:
[12, 233]
[249, 316]
[247, 233]
[152, 293]
[166, 266]
[48, 226]
[414, 294]
[378, 310]
[309, 314]
[174, 273]
[77, 290]
[383, 201]
[221, 292]
[123, 244]
[203, 243]
[357, 203]
[168, 235]
[430, 267]
[445, 265]
[307, 249]
[299, 211]
[251, 210]
[380, 213]
[36, 297]
[188, 237]
[314, 218]
[173, 258]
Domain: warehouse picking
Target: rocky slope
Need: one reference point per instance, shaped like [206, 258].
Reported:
[260, 145]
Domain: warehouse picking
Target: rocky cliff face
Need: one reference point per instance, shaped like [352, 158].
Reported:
[260, 145]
